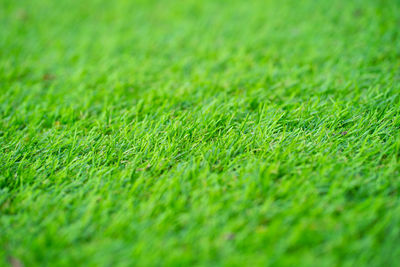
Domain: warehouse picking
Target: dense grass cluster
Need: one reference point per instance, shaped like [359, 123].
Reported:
[199, 132]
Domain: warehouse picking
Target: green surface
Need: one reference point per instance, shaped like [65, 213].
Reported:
[199, 133]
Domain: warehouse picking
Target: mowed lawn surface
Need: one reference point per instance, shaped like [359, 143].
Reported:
[199, 133]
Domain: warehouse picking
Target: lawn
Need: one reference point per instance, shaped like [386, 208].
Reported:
[199, 132]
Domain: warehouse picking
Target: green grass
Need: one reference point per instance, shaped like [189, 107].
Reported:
[199, 133]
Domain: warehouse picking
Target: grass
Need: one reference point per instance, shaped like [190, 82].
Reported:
[199, 133]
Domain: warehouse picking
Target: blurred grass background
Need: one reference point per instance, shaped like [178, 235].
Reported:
[199, 132]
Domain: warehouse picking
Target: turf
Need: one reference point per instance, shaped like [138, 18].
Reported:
[210, 133]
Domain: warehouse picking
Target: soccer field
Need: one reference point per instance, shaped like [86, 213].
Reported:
[199, 132]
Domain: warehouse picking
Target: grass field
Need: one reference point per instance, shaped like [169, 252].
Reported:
[152, 133]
